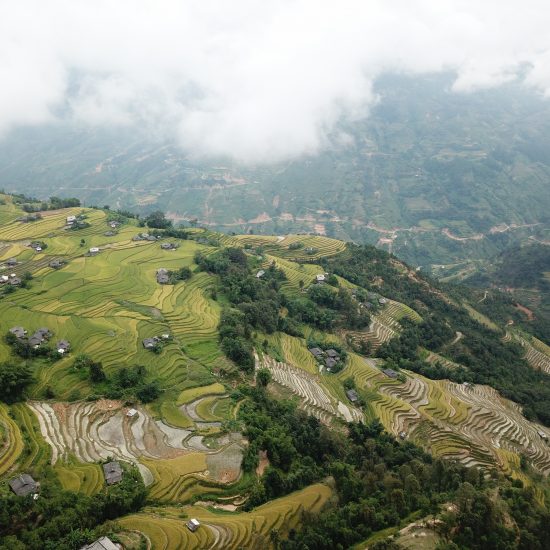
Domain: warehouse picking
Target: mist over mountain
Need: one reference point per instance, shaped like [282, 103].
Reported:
[438, 177]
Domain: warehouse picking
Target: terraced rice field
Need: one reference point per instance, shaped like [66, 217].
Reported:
[537, 354]
[384, 325]
[84, 478]
[279, 246]
[106, 304]
[94, 431]
[469, 423]
[315, 399]
[295, 273]
[230, 531]
[11, 441]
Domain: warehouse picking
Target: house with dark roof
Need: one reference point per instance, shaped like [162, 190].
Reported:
[168, 246]
[23, 485]
[113, 472]
[193, 524]
[330, 362]
[333, 353]
[20, 332]
[56, 264]
[352, 396]
[150, 343]
[44, 332]
[103, 543]
[35, 341]
[11, 262]
[15, 281]
[317, 352]
[63, 346]
[390, 372]
[162, 276]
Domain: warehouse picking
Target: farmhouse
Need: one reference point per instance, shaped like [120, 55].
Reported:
[333, 353]
[390, 372]
[4, 279]
[317, 352]
[330, 362]
[150, 343]
[35, 341]
[63, 346]
[103, 543]
[23, 485]
[542, 435]
[114, 224]
[15, 281]
[94, 250]
[168, 246]
[56, 264]
[382, 301]
[43, 332]
[352, 396]
[11, 262]
[320, 277]
[260, 274]
[131, 413]
[20, 332]
[71, 220]
[113, 472]
[193, 524]
[162, 276]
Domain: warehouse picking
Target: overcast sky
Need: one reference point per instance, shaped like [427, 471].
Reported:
[256, 80]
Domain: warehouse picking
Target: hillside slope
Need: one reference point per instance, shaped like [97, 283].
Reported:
[190, 435]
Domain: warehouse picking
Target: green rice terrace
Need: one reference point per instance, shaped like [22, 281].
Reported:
[141, 372]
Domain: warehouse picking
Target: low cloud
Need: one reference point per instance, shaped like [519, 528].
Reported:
[257, 81]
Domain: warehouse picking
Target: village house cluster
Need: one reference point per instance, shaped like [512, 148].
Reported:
[76, 222]
[144, 237]
[329, 358]
[11, 279]
[38, 338]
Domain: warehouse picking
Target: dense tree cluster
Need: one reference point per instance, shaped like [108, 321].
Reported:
[157, 220]
[129, 383]
[379, 482]
[65, 519]
[255, 301]
[14, 379]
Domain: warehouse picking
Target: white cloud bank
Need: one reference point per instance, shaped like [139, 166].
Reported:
[255, 80]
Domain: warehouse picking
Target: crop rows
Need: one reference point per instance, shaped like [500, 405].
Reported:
[377, 333]
[315, 400]
[11, 442]
[537, 354]
[241, 530]
[96, 431]
[470, 423]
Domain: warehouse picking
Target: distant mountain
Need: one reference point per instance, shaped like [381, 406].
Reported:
[438, 177]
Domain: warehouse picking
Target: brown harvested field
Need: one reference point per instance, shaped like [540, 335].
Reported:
[96, 431]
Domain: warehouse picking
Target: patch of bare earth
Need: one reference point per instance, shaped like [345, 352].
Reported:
[530, 315]
[262, 464]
